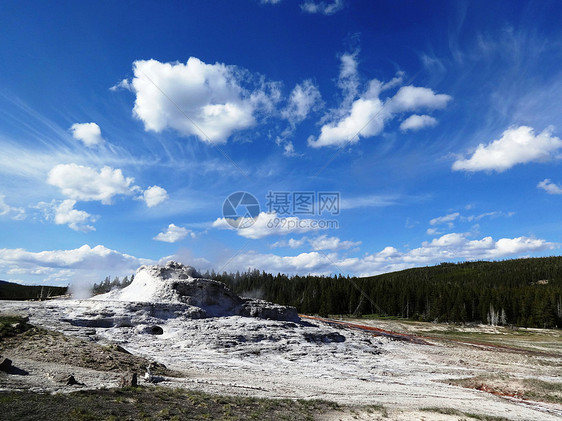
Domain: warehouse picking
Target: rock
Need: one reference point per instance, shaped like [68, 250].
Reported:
[324, 337]
[5, 364]
[67, 379]
[128, 379]
[267, 310]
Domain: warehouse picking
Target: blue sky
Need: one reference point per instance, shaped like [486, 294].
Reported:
[124, 126]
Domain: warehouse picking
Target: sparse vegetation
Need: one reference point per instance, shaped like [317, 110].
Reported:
[12, 325]
[154, 403]
[522, 388]
[463, 415]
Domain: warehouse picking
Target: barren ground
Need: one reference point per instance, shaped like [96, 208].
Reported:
[477, 372]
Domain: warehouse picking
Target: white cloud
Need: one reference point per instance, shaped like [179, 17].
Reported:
[267, 224]
[292, 243]
[348, 80]
[367, 115]
[173, 234]
[492, 214]
[410, 98]
[84, 183]
[313, 262]
[549, 187]
[324, 242]
[154, 195]
[65, 214]
[516, 146]
[417, 122]
[323, 7]
[85, 257]
[453, 246]
[444, 219]
[304, 98]
[373, 201]
[10, 211]
[433, 231]
[88, 133]
[213, 102]
[124, 84]
[289, 149]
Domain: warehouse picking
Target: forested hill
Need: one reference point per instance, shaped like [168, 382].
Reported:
[13, 291]
[522, 292]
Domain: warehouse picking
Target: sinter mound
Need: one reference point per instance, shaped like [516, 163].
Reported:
[176, 283]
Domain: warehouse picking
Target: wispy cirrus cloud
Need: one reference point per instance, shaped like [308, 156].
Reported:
[324, 7]
[11, 211]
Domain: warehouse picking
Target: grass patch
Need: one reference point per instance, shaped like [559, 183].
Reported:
[11, 326]
[457, 413]
[155, 403]
[528, 389]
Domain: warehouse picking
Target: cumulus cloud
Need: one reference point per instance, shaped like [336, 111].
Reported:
[65, 214]
[549, 187]
[85, 183]
[409, 98]
[85, 257]
[449, 247]
[267, 224]
[313, 262]
[79, 267]
[195, 98]
[323, 7]
[88, 133]
[154, 195]
[324, 242]
[11, 211]
[173, 234]
[516, 146]
[417, 122]
[364, 114]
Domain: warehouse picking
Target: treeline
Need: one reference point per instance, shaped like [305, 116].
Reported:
[107, 284]
[522, 292]
[13, 291]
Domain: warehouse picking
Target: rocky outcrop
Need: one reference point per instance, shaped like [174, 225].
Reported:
[176, 290]
[128, 379]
